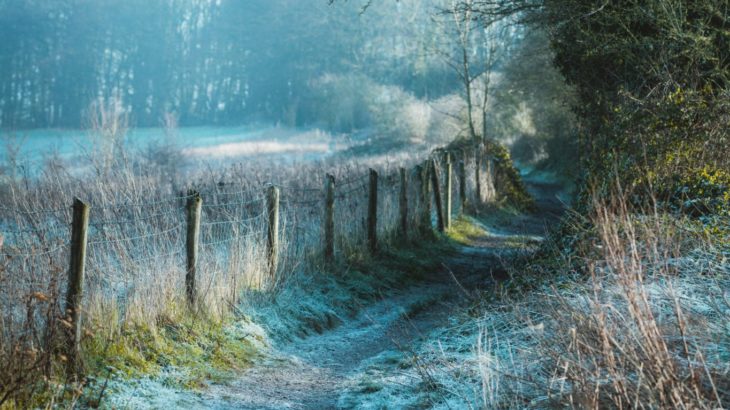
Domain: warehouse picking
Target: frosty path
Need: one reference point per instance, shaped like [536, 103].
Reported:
[334, 369]
[313, 372]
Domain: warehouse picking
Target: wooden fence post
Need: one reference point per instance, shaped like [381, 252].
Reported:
[478, 174]
[437, 196]
[425, 199]
[449, 170]
[373, 212]
[462, 183]
[403, 203]
[272, 242]
[74, 294]
[493, 178]
[194, 210]
[329, 219]
[420, 198]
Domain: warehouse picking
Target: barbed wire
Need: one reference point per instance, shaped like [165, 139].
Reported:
[98, 224]
[341, 195]
[352, 180]
[35, 212]
[16, 232]
[161, 201]
[215, 192]
[158, 256]
[290, 188]
[292, 200]
[303, 202]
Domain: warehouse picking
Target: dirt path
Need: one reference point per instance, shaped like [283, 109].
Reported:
[310, 373]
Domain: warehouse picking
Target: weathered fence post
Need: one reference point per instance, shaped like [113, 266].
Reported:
[425, 199]
[492, 179]
[194, 210]
[478, 173]
[403, 203]
[420, 198]
[272, 239]
[462, 183]
[74, 294]
[329, 219]
[448, 190]
[373, 212]
[437, 196]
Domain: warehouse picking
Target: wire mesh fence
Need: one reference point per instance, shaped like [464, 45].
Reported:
[138, 253]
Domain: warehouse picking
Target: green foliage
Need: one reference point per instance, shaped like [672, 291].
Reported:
[464, 231]
[207, 350]
[532, 106]
[509, 184]
[702, 191]
[652, 80]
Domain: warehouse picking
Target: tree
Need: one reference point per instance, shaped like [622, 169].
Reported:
[473, 56]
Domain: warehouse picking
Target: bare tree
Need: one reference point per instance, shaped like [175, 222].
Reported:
[473, 56]
[491, 45]
[463, 26]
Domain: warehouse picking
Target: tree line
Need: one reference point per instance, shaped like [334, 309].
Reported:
[209, 62]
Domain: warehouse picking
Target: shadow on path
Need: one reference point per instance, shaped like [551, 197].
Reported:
[312, 372]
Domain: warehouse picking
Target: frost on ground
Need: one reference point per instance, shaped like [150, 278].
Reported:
[380, 339]
[167, 388]
[308, 334]
[517, 354]
[461, 365]
[641, 328]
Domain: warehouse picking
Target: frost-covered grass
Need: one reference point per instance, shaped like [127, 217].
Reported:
[318, 301]
[136, 319]
[163, 367]
[646, 325]
[137, 322]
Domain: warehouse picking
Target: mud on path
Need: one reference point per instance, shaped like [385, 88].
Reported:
[312, 372]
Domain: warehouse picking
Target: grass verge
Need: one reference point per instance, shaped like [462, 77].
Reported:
[634, 314]
[187, 353]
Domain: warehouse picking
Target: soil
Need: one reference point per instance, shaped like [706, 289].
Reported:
[312, 372]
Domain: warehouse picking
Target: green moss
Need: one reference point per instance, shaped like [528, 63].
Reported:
[464, 230]
[205, 349]
[508, 182]
[511, 189]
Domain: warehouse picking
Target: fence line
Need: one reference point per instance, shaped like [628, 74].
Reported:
[398, 203]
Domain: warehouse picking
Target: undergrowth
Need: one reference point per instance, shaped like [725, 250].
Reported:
[196, 352]
[633, 314]
[136, 321]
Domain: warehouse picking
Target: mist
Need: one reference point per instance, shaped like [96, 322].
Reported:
[345, 74]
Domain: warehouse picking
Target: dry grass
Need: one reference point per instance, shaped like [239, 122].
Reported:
[645, 325]
[135, 264]
[647, 329]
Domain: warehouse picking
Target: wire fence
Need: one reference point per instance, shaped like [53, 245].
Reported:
[138, 252]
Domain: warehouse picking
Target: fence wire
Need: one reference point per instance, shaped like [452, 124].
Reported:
[136, 252]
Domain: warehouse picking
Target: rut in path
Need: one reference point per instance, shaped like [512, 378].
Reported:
[311, 373]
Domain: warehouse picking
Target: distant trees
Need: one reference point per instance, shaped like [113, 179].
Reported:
[532, 106]
[209, 62]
